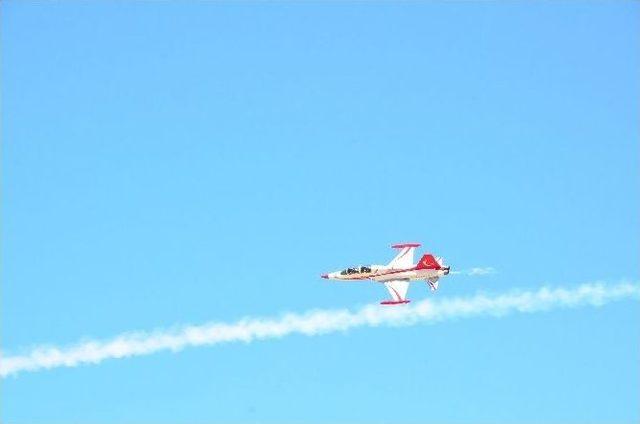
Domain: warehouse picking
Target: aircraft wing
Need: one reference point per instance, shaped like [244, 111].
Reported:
[404, 258]
[398, 291]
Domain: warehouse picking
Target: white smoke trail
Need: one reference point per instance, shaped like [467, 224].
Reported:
[475, 271]
[316, 322]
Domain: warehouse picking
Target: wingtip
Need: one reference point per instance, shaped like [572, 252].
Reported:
[395, 302]
[402, 245]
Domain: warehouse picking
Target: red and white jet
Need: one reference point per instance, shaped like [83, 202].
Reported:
[398, 274]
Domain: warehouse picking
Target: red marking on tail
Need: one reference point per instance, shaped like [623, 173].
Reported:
[428, 262]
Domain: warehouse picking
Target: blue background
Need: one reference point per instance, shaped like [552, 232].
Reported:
[181, 162]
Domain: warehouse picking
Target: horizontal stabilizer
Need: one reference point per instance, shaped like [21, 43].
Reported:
[433, 283]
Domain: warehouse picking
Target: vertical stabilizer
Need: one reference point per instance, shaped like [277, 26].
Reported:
[428, 261]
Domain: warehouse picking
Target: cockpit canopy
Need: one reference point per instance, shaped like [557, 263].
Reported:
[356, 270]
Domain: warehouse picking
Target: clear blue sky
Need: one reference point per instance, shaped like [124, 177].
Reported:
[181, 162]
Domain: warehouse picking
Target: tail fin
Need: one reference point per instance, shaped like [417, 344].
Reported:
[428, 262]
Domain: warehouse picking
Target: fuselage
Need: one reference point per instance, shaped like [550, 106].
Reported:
[382, 273]
[398, 273]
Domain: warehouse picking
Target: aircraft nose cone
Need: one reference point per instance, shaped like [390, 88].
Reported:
[324, 276]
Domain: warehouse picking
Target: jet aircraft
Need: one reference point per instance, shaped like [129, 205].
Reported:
[397, 275]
